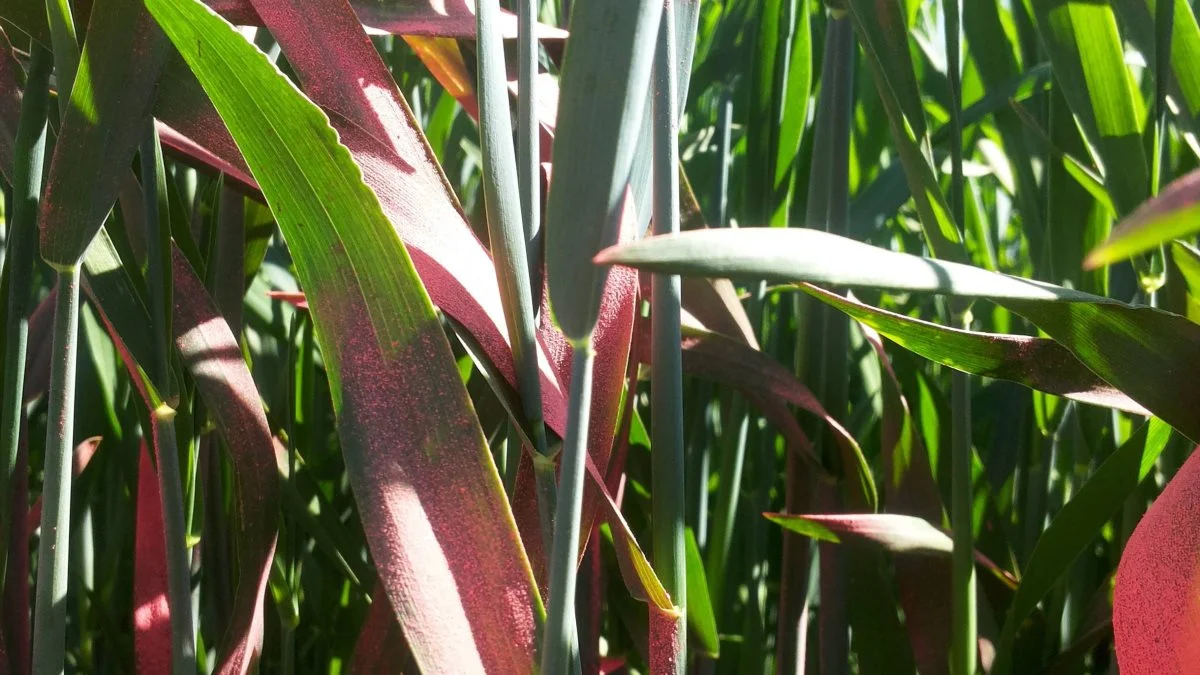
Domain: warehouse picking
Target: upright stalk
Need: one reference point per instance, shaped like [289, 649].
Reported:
[666, 370]
[560, 638]
[528, 140]
[509, 242]
[963, 634]
[50, 604]
[826, 347]
[158, 252]
[183, 641]
[29, 154]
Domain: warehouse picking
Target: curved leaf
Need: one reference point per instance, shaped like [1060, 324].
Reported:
[1037, 363]
[440, 529]
[1156, 620]
[1135, 349]
[1173, 214]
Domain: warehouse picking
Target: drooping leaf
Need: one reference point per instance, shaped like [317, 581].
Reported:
[440, 530]
[1077, 526]
[1038, 363]
[1173, 214]
[731, 362]
[1120, 343]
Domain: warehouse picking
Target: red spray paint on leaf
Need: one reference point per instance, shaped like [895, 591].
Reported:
[1156, 604]
[342, 72]
[151, 611]
[455, 19]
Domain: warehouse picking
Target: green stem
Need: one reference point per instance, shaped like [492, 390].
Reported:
[183, 637]
[529, 140]
[50, 607]
[733, 461]
[29, 153]
[158, 251]
[559, 637]
[666, 370]
[963, 634]
[509, 242]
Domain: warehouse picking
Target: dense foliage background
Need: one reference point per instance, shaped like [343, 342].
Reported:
[308, 366]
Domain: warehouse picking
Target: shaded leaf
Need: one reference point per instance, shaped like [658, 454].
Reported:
[151, 611]
[1037, 363]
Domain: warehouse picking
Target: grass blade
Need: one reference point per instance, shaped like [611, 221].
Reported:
[1037, 363]
[1120, 343]
[376, 337]
[1086, 52]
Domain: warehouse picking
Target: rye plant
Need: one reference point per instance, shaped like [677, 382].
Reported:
[645, 336]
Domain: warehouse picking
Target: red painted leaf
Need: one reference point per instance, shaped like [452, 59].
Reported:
[211, 354]
[454, 19]
[380, 646]
[1156, 618]
[909, 489]
[342, 72]
[151, 611]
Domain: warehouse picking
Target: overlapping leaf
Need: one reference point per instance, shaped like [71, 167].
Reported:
[1135, 349]
[1038, 363]
[442, 534]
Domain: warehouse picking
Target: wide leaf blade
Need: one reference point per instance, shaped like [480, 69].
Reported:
[1132, 348]
[440, 530]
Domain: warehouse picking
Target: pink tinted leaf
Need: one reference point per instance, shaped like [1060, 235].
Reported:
[1037, 363]
[727, 360]
[1156, 618]
[380, 646]
[439, 529]
[454, 19]
[151, 611]
[211, 354]
[342, 72]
